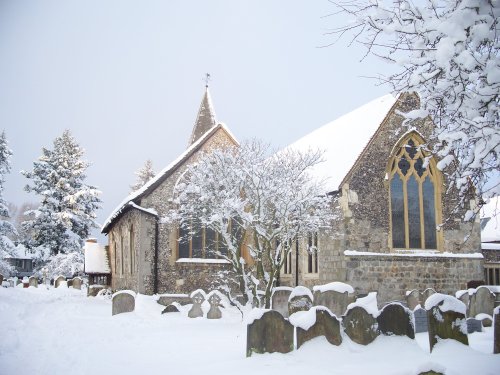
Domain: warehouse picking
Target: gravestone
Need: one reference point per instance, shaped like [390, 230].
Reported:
[70, 282]
[1, 278]
[413, 299]
[77, 283]
[496, 331]
[33, 281]
[335, 301]
[196, 312]
[420, 320]
[474, 325]
[465, 298]
[481, 302]
[93, 290]
[5, 284]
[269, 334]
[426, 294]
[26, 282]
[299, 300]
[279, 300]
[395, 319]
[326, 325]
[214, 312]
[448, 324]
[123, 302]
[58, 281]
[360, 326]
[170, 309]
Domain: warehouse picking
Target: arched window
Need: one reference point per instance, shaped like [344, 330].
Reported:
[414, 197]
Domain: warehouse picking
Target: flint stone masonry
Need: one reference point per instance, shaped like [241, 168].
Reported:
[421, 321]
[397, 274]
[360, 326]
[395, 319]
[123, 302]
[326, 325]
[474, 325]
[279, 300]
[336, 302]
[33, 281]
[269, 334]
[446, 325]
[196, 311]
[58, 281]
[481, 302]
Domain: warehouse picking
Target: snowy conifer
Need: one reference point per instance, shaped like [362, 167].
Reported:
[143, 175]
[68, 205]
[6, 228]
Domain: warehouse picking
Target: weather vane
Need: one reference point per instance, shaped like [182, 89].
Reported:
[207, 79]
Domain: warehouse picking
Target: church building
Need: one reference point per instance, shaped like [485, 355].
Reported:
[397, 228]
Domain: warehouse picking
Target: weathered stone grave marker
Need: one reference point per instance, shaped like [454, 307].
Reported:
[446, 315]
[59, 281]
[334, 296]
[299, 300]
[279, 300]
[170, 309]
[474, 325]
[395, 319]
[326, 324]
[360, 325]
[496, 330]
[197, 297]
[214, 300]
[269, 334]
[77, 283]
[33, 281]
[426, 294]
[123, 301]
[413, 299]
[421, 321]
[481, 302]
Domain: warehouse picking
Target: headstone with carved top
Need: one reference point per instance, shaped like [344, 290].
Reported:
[196, 312]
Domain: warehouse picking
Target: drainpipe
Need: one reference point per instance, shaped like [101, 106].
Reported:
[296, 262]
[155, 274]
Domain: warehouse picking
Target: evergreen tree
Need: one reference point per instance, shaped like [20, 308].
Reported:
[68, 205]
[6, 228]
[143, 175]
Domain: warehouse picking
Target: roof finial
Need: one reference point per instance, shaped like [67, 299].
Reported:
[207, 79]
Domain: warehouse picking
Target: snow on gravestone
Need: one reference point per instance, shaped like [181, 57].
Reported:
[446, 315]
[59, 280]
[413, 299]
[481, 302]
[318, 321]
[334, 296]
[301, 299]
[463, 295]
[197, 297]
[279, 299]
[123, 301]
[426, 294]
[33, 281]
[360, 320]
[395, 319]
[268, 332]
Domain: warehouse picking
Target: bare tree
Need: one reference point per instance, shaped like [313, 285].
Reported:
[449, 52]
[251, 198]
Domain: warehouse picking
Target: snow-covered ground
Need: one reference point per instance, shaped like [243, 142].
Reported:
[61, 331]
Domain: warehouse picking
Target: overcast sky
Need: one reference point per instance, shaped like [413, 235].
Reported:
[126, 77]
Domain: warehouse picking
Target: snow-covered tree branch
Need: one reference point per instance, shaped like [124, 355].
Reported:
[449, 52]
[143, 175]
[254, 201]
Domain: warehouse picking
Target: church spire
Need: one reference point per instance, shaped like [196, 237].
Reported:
[206, 116]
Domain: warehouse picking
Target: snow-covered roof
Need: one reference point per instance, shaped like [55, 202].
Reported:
[20, 252]
[490, 221]
[96, 258]
[343, 140]
[160, 177]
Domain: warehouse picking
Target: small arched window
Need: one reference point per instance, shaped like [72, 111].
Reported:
[414, 199]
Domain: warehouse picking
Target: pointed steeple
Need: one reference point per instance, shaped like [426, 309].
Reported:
[205, 119]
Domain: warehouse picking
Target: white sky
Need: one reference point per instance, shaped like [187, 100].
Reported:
[126, 77]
